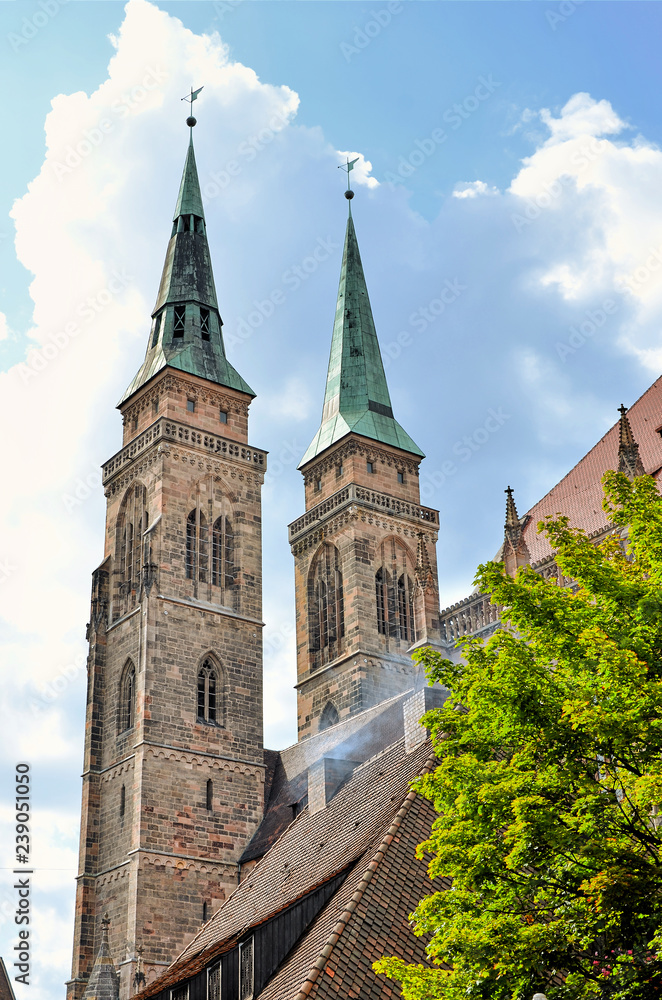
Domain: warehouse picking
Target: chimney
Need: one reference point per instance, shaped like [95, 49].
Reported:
[414, 708]
[325, 778]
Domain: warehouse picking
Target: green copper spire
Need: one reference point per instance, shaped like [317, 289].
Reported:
[189, 201]
[186, 324]
[356, 399]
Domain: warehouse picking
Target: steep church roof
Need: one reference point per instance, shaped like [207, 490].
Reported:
[579, 494]
[356, 399]
[354, 858]
[190, 341]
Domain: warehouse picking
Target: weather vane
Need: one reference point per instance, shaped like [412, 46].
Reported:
[349, 194]
[193, 96]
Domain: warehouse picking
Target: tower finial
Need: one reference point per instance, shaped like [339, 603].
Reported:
[193, 96]
[347, 167]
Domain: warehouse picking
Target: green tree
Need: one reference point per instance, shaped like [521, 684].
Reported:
[550, 778]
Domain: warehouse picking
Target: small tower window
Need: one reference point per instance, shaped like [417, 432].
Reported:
[223, 416]
[155, 405]
[370, 467]
[329, 716]
[205, 912]
[180, 321]
[401, 477]
[127, 697]
[318, 486]
[122, 801]
[339, 471]
[206, 694]
[190, 405]
[204, 323]
[210, 794]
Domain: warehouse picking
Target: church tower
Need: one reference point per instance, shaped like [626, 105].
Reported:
[364, 551]
[174, 768]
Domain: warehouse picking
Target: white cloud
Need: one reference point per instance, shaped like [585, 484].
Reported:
[472, 189]
[4, 327]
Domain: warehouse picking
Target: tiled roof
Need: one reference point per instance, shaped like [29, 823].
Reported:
[579, 494]
[358, 738]
[312, 850]
[354, 931]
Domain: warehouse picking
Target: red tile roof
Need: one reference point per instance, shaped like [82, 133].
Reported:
[579, 494]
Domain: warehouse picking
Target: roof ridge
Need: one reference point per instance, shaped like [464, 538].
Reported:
[346, 915]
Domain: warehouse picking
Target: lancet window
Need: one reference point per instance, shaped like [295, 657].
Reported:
[325, 602]
[210, 707]
[329, 716]
[132, 522]
[196, 546]
[127, 698]
[394, 594]
[211, 558]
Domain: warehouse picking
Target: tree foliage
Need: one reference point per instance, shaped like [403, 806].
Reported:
[550, 778]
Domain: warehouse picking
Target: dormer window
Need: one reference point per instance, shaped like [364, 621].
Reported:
[204, 323]
[180, 321]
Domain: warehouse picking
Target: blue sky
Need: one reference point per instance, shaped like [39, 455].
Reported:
[509, 153]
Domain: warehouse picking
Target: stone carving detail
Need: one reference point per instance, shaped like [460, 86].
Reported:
[115, 772]
[371, 498]
[171, 383]
[113, 876]
[371, 453]
[214, 763]
[169, 430]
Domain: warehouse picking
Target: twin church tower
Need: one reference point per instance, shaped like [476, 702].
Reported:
[174, 771]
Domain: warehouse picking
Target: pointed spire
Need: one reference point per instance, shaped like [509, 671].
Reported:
[629, 461]
[515, 550]
[189, 200]
[104, 983]
[357, 398]
[186, 323]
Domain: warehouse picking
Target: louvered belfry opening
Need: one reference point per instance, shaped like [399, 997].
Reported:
[326, 608]
[394, 594]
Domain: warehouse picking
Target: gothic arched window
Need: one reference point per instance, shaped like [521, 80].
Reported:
[196, 546]
[394, 601]
[325, 604]
[329, 716]
[222, 558]
[405, 608]
[127, 698]
[208, 693]
[131, 524]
